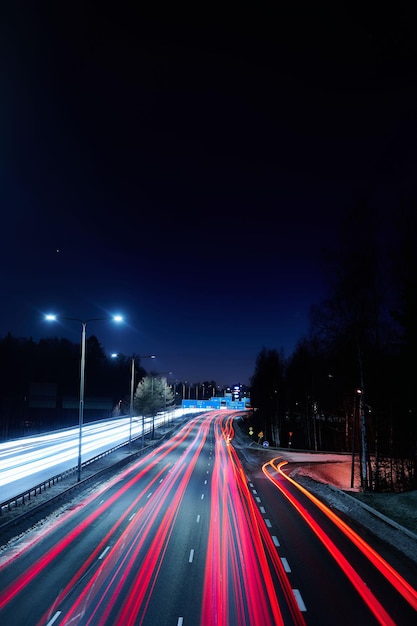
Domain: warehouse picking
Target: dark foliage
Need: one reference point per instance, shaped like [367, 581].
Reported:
[349, 385]
[40, 383]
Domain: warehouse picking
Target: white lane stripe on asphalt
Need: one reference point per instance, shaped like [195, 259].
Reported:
[55, 617]
[198, 518]
[102, 555]
[262, 509]
[286, 565]
[268, 523]
[275, 540]
[180, 621]
[202, 496]
[191, 557]
[299, 599]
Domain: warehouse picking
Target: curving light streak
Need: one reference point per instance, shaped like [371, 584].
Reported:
[151, 524]
[236, 561]
[401, 585]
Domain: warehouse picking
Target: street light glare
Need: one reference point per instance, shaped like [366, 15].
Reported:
[50, 317]
[118, 318]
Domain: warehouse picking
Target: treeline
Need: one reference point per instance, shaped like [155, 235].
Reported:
[350, 383]
[40, 383]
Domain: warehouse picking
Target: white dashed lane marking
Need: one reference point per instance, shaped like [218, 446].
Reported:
[54, 618]
[102, 555]
[299, 599]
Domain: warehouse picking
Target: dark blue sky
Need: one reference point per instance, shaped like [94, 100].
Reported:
[190, 169]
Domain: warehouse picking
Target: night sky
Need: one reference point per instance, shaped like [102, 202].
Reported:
[187, 169]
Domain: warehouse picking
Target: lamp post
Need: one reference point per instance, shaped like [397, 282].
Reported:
[54, 318]
[356, 410]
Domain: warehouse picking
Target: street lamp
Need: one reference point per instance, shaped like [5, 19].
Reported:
[54, 318]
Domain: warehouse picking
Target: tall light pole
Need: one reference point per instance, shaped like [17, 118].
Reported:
[54, 318]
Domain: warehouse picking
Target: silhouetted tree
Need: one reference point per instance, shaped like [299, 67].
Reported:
[268, 393]
[404, 427]
[351, 319]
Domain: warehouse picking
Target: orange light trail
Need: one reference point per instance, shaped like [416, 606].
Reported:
[389, 572]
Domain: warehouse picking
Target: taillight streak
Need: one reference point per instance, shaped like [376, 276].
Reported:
[398, 582]
[102, 590]
[236, 562]
[367, 596]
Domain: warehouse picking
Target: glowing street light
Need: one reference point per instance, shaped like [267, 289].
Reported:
[54, 318]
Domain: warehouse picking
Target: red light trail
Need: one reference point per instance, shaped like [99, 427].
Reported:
[389, 572]
[243, 578]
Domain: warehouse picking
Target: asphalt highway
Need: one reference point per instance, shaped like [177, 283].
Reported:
[184, 536]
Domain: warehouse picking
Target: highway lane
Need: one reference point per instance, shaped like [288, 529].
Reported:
[171, 540]
[341, 579]
[182, 537]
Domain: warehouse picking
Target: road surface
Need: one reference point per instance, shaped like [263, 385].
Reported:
[183, 537]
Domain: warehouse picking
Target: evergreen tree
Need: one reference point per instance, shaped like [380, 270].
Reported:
[152, 395]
